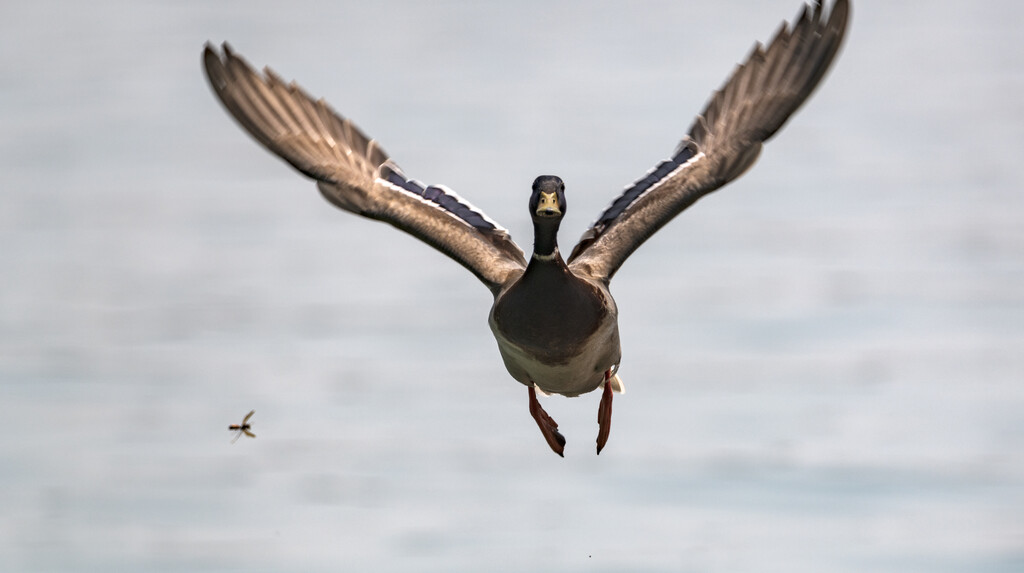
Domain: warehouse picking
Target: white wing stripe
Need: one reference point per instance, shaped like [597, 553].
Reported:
[653, 179]
[439, 197]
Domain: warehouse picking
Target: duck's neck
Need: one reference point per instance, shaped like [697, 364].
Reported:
[545, 239]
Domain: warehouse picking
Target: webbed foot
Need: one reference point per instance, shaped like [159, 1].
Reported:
[604, 413]
[547, 426]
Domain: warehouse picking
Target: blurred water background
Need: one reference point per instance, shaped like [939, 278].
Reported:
[823, 361]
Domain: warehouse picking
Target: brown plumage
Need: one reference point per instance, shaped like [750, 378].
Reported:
[556, 324]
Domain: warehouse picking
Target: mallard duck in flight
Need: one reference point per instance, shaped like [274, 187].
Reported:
[555, 321]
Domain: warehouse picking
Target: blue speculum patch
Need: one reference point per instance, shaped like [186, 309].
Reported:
[629, 195]
[439, 197]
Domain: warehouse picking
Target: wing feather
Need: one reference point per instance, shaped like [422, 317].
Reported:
[724, 140]
[354, 173]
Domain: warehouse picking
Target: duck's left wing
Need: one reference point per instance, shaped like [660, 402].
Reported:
[354, 173]
[724, 140]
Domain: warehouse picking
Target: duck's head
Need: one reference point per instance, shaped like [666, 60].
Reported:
[548, 198]
[547, 207]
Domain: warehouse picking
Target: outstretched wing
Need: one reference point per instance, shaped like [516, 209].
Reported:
[724, 140]
[354, 173]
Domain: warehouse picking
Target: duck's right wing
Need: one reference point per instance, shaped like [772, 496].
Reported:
[354, 173]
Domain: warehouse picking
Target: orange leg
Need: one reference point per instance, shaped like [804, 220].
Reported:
[604, 413]
[547, 426]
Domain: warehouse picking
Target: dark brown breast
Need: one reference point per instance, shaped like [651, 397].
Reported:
[549, 312]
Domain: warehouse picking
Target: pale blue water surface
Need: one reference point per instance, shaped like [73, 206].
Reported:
[824, 361]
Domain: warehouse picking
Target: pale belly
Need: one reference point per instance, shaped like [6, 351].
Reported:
[578, 372]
